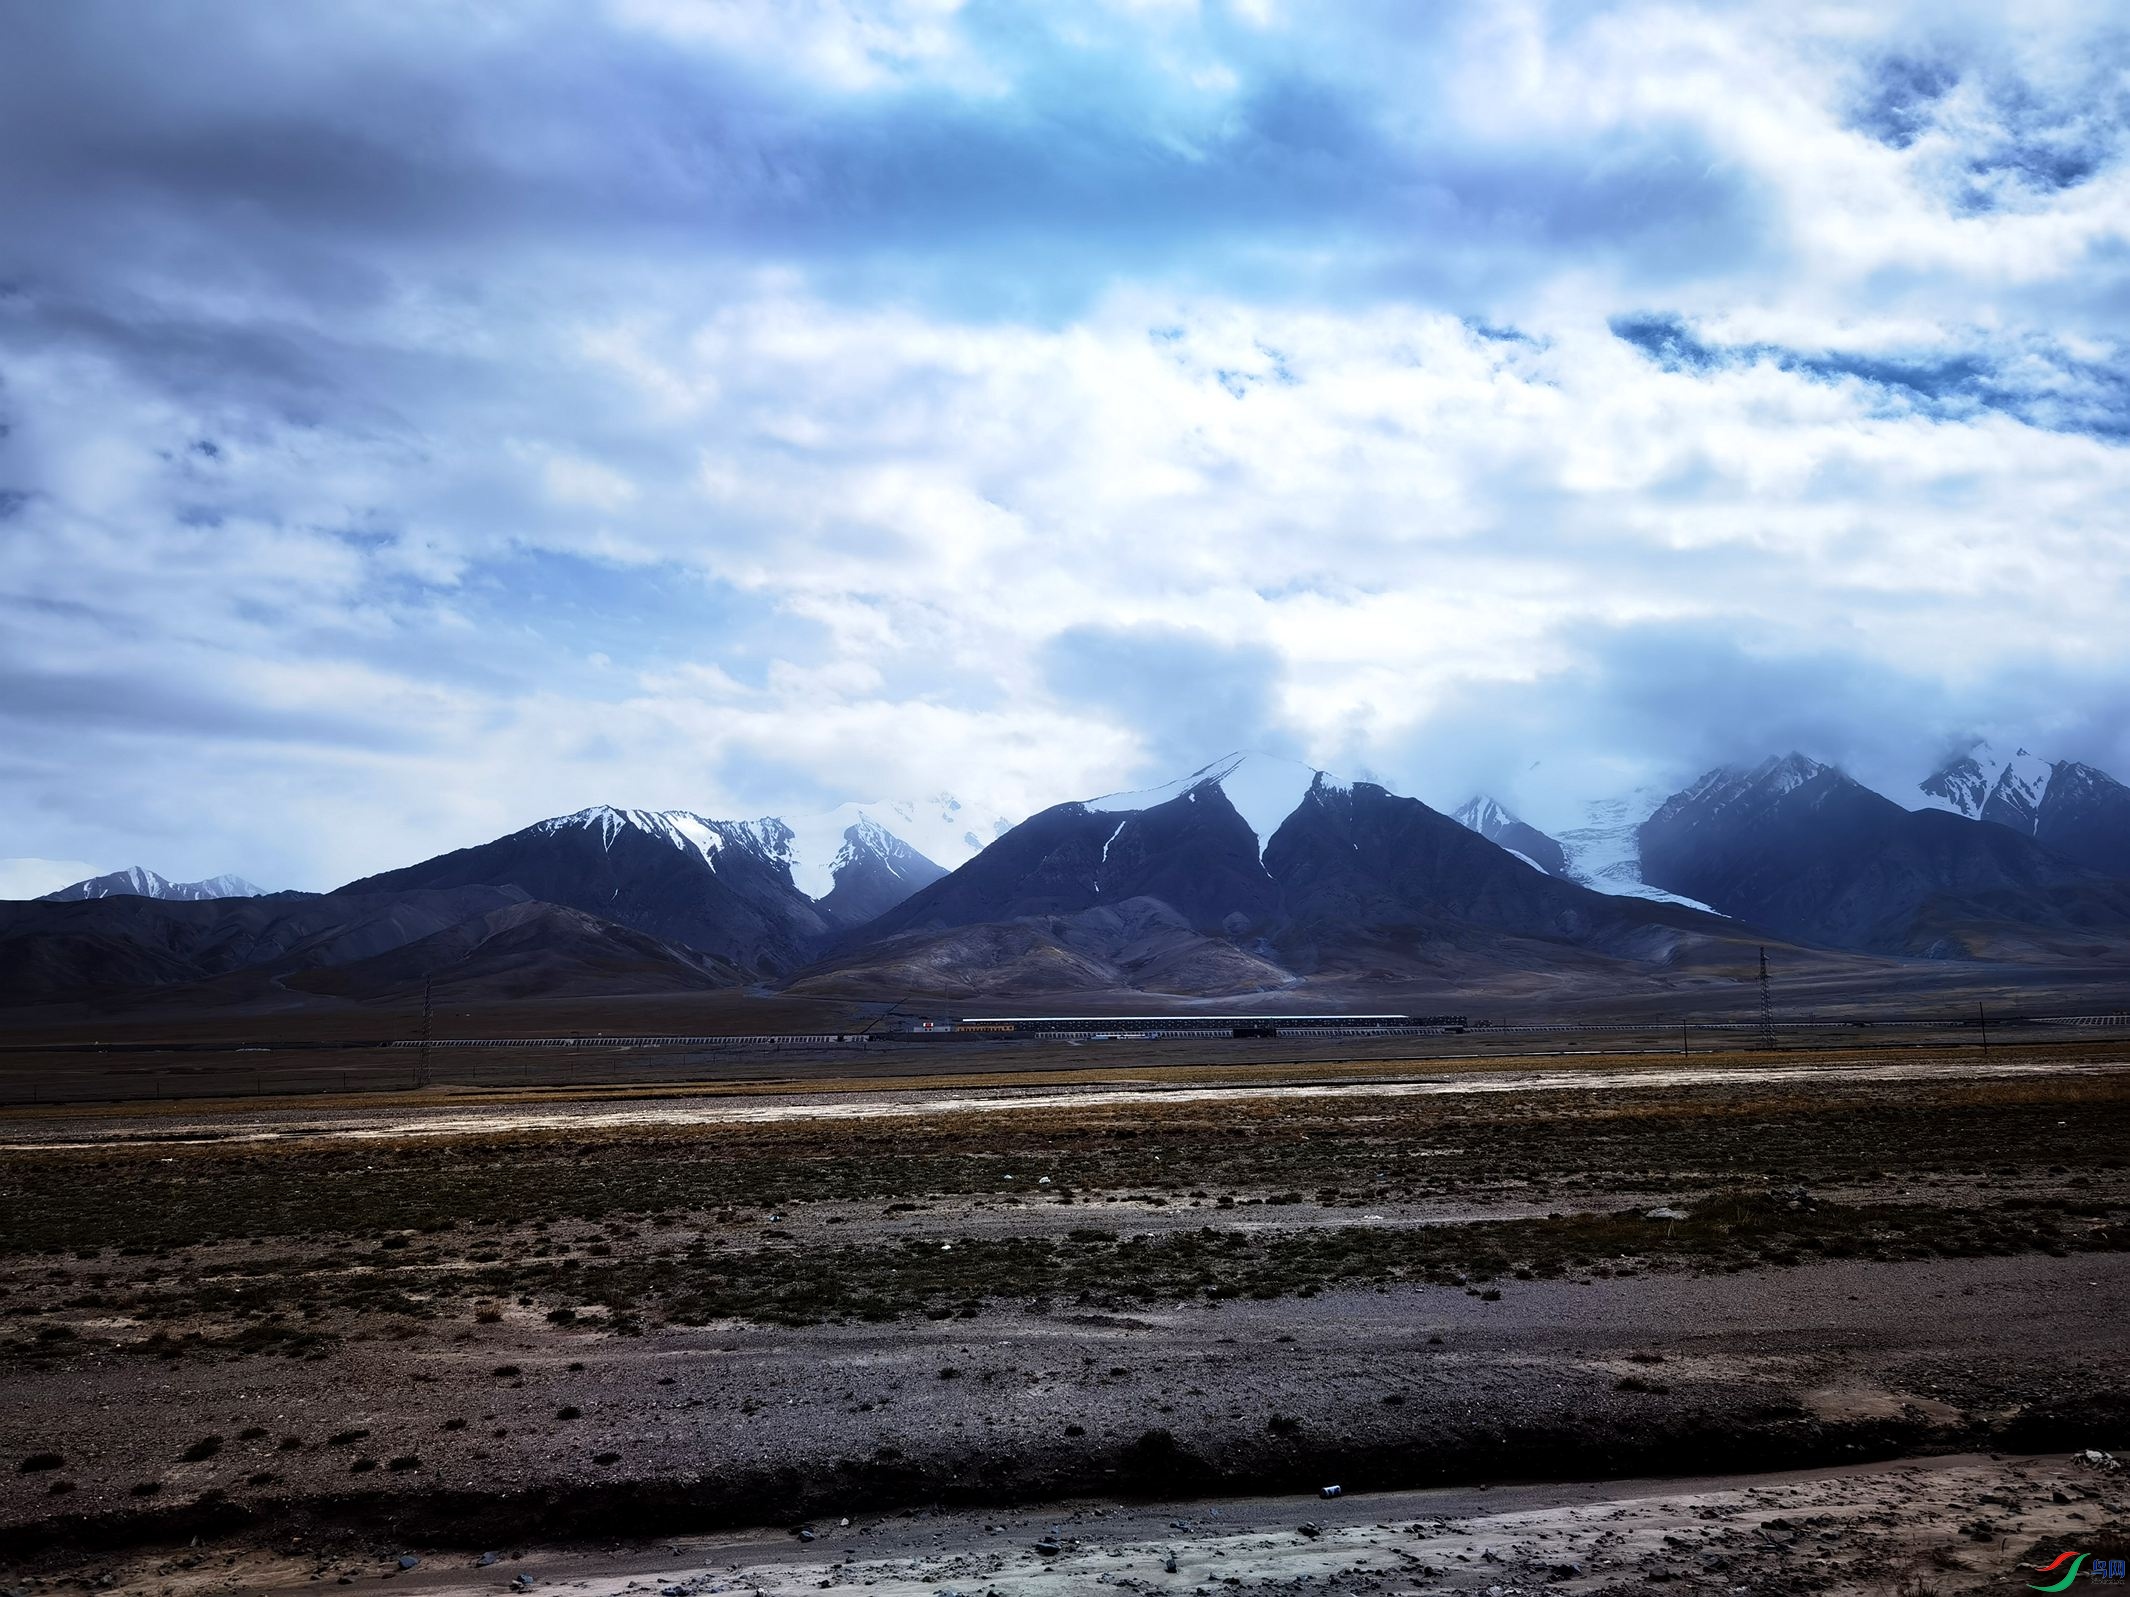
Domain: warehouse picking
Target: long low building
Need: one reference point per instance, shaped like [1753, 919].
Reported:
[1233, 1025]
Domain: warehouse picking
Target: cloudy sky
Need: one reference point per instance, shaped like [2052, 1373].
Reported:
[419, 419]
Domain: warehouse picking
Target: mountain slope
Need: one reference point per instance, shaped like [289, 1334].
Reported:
[1802, 849]
[1305, 871]
[137, 882]
[743, 892]
[2077, 810]
[1482, 815]
[522, 950]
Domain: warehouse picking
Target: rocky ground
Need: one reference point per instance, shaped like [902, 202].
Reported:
[488, 1322]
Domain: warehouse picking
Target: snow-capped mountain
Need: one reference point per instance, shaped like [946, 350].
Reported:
[1264, 790]
[138, 882]
[763, 895]
[939, 827]
[1601, 851]
[1482, 815]
[824, 855]
[2078, 810]
[1802, 849]
[850, 866]
[1604, 849]
[1984, 785]
[1279, 861]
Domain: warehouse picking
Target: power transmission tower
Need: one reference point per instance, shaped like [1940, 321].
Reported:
[427, 1013]
[1767, 1005]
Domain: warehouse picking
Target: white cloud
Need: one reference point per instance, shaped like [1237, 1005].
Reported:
[741, 468]
[33, 878]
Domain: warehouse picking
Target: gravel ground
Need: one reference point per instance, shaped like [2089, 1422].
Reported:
[501, 1336]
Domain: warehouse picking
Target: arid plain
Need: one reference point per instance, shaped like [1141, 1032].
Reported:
[529, 1321]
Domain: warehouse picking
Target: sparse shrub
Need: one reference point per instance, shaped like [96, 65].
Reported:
[41, 1461]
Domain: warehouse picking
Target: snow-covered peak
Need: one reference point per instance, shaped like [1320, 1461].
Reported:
[812, 848]
[815, 847]
[1784, 773]
[1264, 789]
[1984, 785]
[940, 827]
[136, 880]
[225, 886]
[1962, 785]
[1482, 815]
[685, 830]
[2015, 798]
[1728, 786]
[139, 882]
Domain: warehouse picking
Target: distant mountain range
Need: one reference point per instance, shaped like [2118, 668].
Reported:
[1247, 874]
[1252, 874]
[760, 895]
[2003, 859]
[2077, 810]
[490, 941]
[139, 883]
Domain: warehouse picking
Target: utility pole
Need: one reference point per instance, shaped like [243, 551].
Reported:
[1767, 1005]
[428, 1012]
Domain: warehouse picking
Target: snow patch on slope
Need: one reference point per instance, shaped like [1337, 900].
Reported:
[138, 882]
[1983, 785]
[2020, 788]
[1604, 854]
[1482, 815]
[1264, 788]
[813, 848]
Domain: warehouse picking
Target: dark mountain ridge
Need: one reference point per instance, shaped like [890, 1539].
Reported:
[1809, 853]
[1349, 876]
[723, 887]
